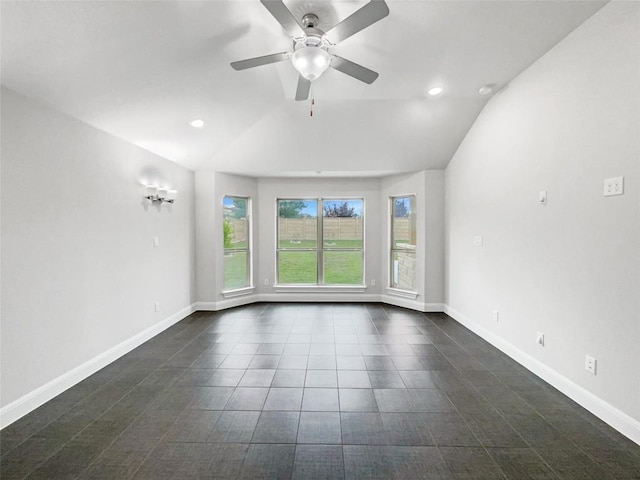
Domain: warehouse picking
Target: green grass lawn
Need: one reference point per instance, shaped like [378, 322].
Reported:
[340, 268]
[241, 244]
[235, 270]
[298, 244]
[327, 243]
[297, 267]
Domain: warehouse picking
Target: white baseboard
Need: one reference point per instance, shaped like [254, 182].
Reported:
[411, 304]
[320, 297]
[606, 412]
[227, 303]
[285, 297]
[32, 400]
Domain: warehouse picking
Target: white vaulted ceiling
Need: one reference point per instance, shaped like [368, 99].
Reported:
[143, 70]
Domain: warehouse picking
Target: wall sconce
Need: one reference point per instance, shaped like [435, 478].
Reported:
[162, 195]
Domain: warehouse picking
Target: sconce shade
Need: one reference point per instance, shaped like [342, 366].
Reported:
[150, 191]
[171, 195]
[162, 195]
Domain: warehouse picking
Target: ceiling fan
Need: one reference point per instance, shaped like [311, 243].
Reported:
[310, 56]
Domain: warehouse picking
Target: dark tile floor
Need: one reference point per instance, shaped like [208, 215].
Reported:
[315, 391]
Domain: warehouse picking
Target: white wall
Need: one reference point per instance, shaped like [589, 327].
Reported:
[571, 268]
[206, 245]
[434, 233]
[80, 275]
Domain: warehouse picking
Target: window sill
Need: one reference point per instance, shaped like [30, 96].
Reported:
[238, 292]
[319, 288]
[396, 292]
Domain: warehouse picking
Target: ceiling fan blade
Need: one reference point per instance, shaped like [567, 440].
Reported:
[284, 17]
[353, 69]
[304, 85]
[257, 61]
[368, 15]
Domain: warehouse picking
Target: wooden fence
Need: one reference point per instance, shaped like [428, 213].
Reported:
[335, 228]
[401, 230]
[238, 230]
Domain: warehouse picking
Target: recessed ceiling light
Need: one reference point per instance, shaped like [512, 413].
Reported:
[197, 123]
[435, 91]
[485, 89]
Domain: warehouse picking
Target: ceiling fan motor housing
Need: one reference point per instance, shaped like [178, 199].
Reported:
[309, 20]
[314, 37]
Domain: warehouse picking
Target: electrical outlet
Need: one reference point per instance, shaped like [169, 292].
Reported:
[613, 186]
[540, 339]
[590, 364]
[373, 282]
[157, 306]
[496, 315]
[266, 281]
[478, 241]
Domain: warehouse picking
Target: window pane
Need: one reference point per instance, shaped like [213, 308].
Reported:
[297, 267]
[404, 222]
[297, 224]
[236, 233]
[236, 270]
[342, 224]
[236, 226]
[403, 270]
[342, 268]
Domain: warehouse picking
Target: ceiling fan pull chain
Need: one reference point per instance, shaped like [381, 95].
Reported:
[313, 101]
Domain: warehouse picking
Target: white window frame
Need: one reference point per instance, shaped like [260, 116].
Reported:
[249, 287]
[320, 249]
[408, 248]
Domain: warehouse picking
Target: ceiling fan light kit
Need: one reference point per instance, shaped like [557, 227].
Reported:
[311, 57]
[311, 62]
